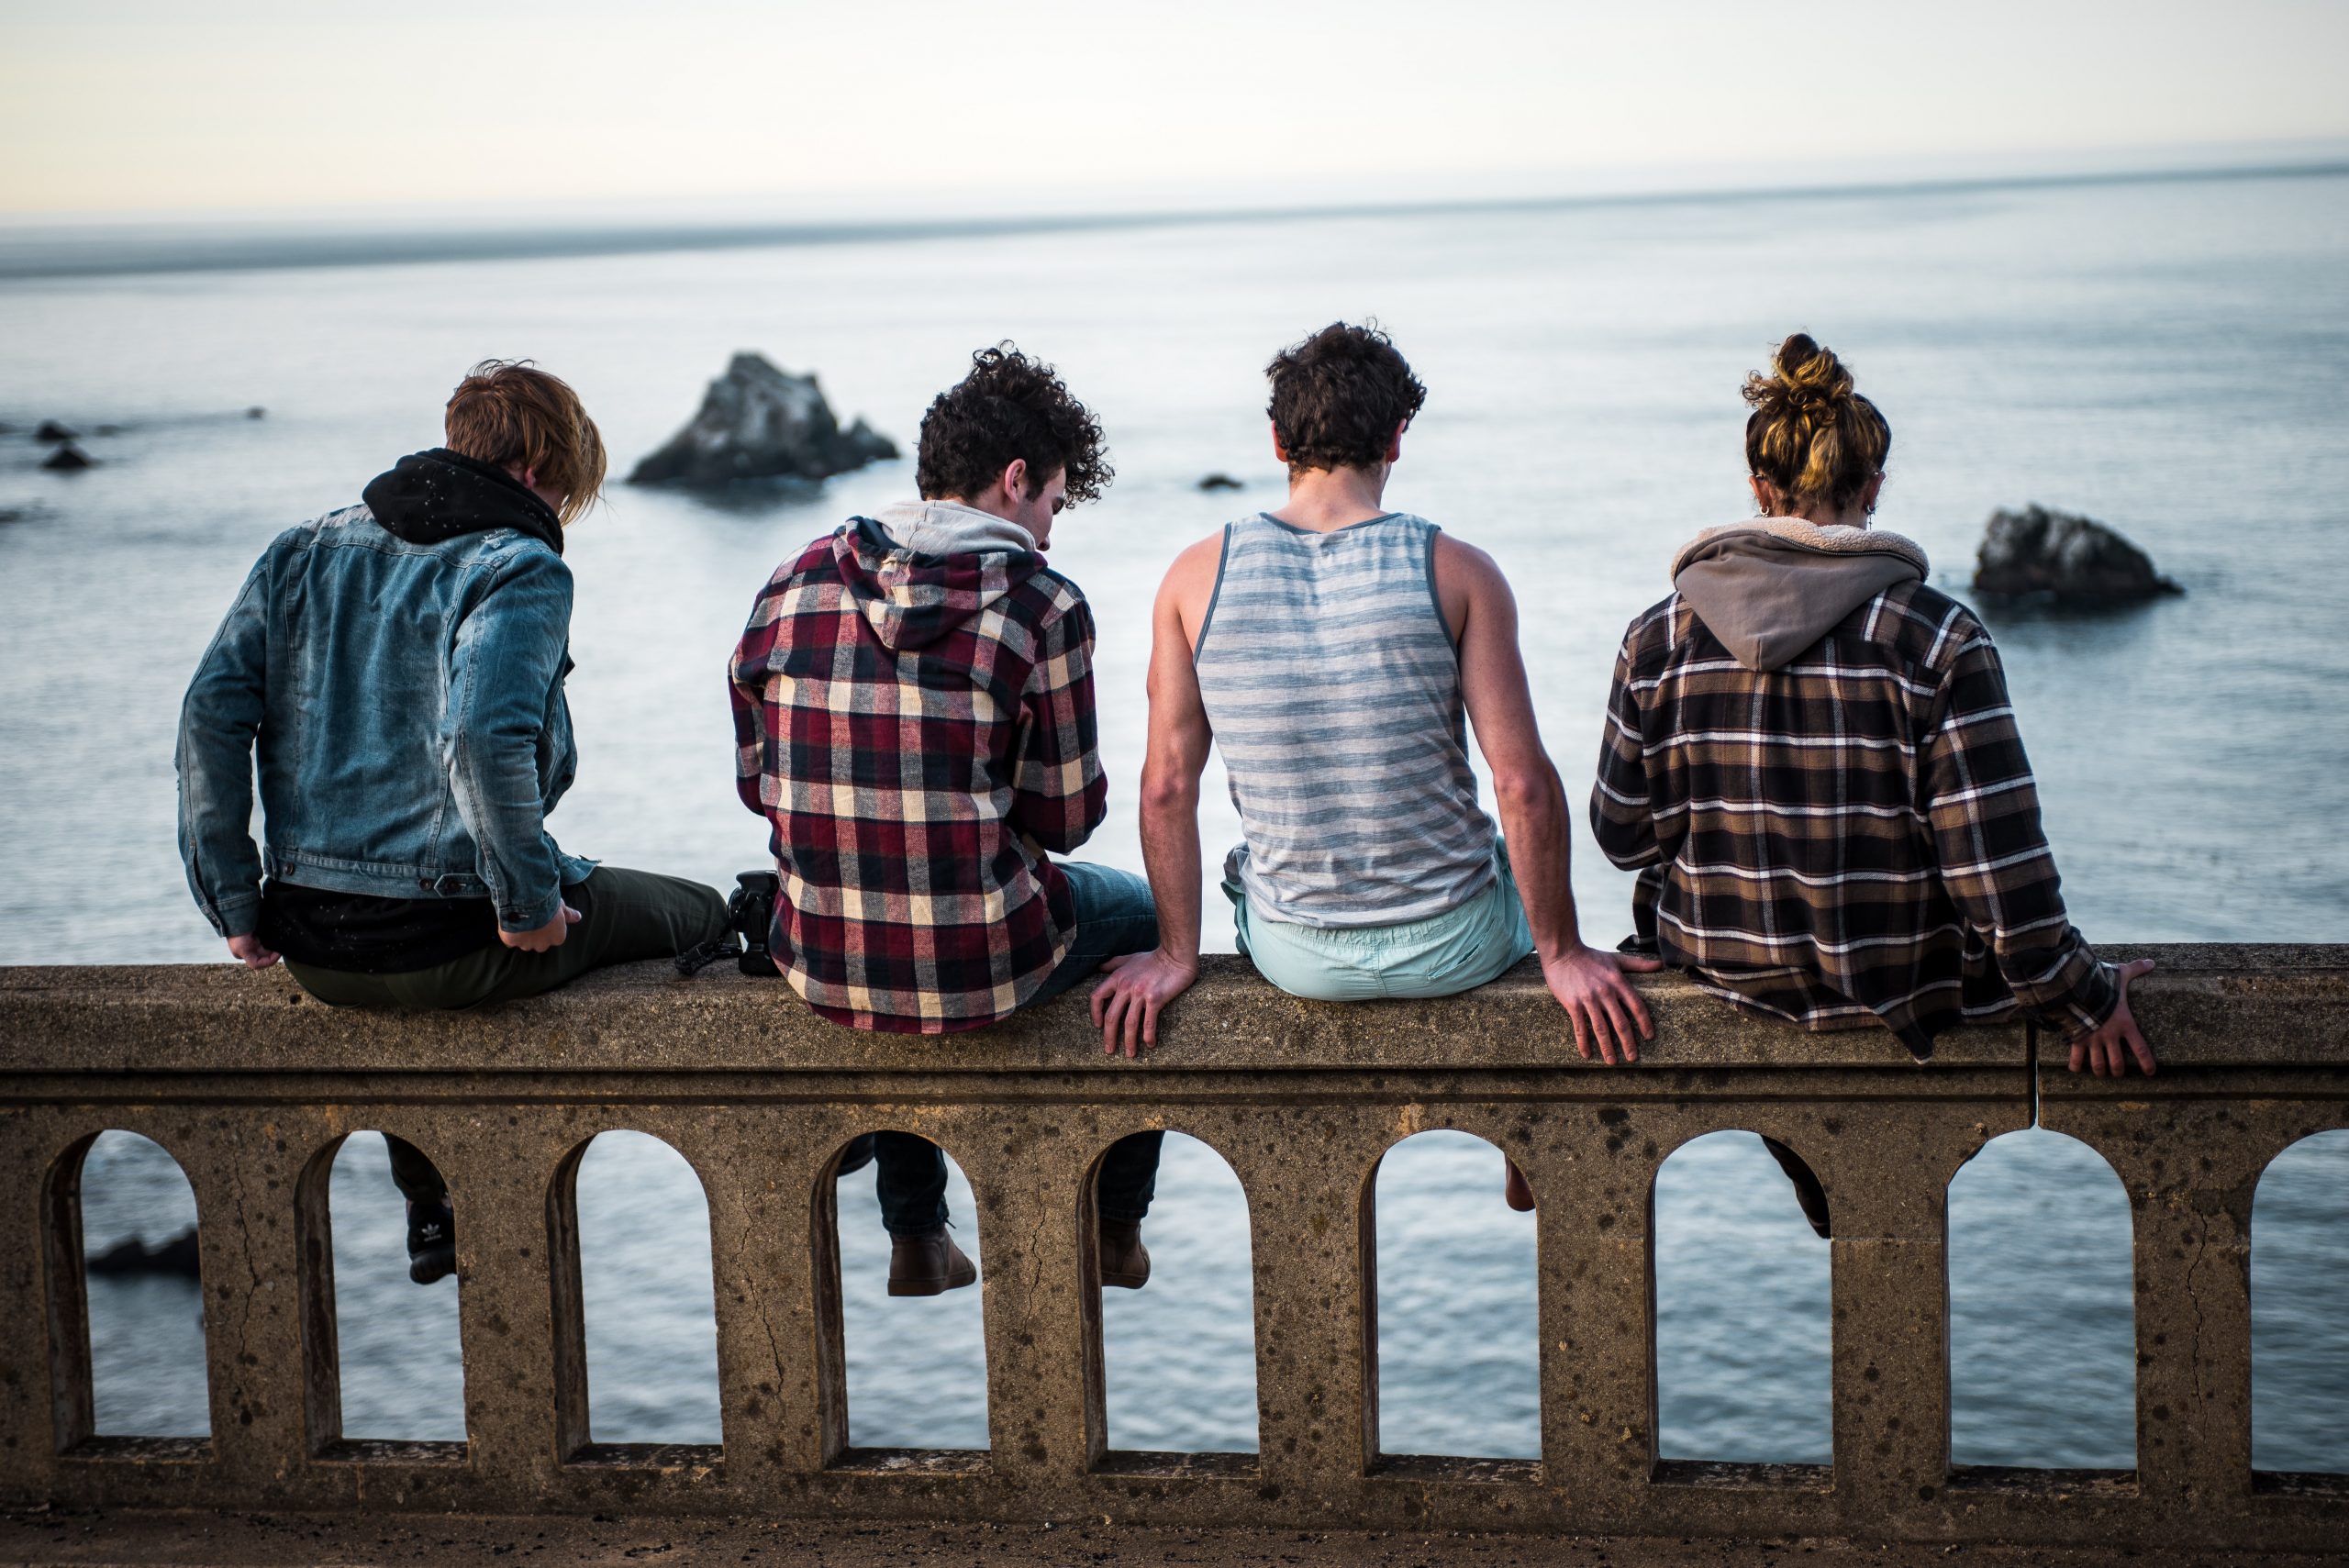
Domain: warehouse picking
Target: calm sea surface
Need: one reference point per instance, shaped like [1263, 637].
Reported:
[2173, 359]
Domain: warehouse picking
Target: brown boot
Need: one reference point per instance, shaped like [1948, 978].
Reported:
[1125, 1262]
[1517, 1192]
[927, 1264]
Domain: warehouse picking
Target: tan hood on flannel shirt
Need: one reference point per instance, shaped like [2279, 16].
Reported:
[1772, 587]
[923, 568]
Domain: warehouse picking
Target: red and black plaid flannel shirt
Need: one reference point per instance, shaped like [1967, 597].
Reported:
[919, 730]
[1852, 837]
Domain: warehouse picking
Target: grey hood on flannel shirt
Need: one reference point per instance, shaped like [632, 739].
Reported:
[949, 528]
[1772, 587]
[923, 568]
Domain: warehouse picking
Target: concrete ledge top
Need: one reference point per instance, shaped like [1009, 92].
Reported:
[2208, 1005]
[124, 1537]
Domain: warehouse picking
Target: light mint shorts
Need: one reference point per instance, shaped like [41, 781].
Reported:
[1440, 956]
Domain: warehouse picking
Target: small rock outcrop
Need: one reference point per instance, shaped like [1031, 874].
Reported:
[177, 1256]
[2067, 558]
[758, 422]
[51, 431]
[1220, 481]
[68, 458]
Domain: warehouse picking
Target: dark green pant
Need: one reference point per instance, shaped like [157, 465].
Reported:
[625, 916]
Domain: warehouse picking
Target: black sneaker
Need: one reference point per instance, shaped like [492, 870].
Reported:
[431, 1242]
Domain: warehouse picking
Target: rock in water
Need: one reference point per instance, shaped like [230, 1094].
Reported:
[1220, 481]
[2070, 558]
[51, 431]
[177, 1256]
[67, 458]
[758, 422]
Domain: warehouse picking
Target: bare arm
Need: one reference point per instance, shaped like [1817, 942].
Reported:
[1139, 985]
[1532, 806]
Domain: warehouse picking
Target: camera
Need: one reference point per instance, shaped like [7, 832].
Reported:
[749, 916]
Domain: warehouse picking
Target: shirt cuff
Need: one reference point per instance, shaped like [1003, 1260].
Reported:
[236, 916]
[2097, 996]
[529, 918]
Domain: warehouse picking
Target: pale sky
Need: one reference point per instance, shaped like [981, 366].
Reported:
[115, 106]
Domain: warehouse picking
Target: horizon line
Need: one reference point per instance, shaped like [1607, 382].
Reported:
[84, 255]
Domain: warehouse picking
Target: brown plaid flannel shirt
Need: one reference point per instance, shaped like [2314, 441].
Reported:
[1854, 836]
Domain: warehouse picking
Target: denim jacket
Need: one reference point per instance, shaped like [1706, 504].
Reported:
[405, 695]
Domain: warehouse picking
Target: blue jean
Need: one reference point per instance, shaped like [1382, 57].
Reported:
[1115, 915]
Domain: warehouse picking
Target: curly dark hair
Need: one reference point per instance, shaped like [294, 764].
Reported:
[1339, 396]
[1009, 406]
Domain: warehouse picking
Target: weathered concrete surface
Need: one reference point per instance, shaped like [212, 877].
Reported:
[69, 1539]
[253, 1088]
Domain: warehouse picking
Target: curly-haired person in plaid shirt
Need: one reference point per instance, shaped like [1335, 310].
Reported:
[913, 714]
[1812, 762]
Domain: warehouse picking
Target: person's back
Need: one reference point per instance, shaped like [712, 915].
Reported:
[1816, 807]
[1329, 677]
[1340, 653]
[394, 674]
[979, 657]
[1812, 760]
[371, 672]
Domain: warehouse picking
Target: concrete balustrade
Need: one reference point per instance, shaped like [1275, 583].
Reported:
[251, 1086]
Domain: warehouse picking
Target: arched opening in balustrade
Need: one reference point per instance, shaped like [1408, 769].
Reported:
[910, 1370]
[647, 1306]
[122, 1256]
[1459, 1337]
[1179, 1353]
[2043, 1353]
[1744, 1315]
[2299, 1308]
[398, 1357]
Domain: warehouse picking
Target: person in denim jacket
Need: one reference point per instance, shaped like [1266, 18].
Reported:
[398, 669]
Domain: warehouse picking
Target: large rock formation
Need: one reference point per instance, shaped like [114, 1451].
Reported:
[2037, 551]
[759, 422]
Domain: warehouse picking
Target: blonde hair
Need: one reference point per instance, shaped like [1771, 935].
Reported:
[1809, 434]
[511, 413]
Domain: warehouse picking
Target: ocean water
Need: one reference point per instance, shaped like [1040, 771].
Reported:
[2170, 358]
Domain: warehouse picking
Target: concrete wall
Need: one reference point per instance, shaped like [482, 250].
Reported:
[251, 1086]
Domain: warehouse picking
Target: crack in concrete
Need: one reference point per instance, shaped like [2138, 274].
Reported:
[1036, 1255]
[757, 1300]
[252, 1294]
[2194, 1299]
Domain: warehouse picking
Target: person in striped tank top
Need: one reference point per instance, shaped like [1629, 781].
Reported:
[1339, 652]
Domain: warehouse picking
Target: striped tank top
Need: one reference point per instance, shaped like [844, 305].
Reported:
[1333, 688]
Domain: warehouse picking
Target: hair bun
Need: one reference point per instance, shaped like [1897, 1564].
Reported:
[1811, 435]
[1810, 374]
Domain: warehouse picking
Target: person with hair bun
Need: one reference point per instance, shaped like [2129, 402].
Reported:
[1811, 761]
